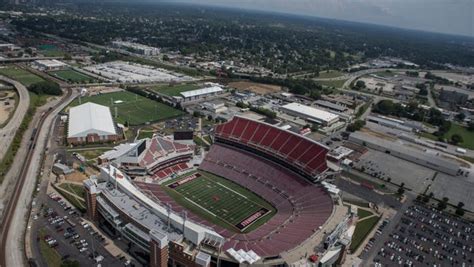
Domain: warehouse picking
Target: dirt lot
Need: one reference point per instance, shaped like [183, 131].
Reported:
[258, 88]
[76, 177]
[7, 105]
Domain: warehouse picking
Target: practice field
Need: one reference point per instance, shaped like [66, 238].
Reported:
[135, 109]
[25, 77]
[71, 76]
[220, 201]
[174, 90]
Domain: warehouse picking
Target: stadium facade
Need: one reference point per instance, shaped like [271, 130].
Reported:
[278, 165]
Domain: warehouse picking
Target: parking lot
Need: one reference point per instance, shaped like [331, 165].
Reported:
[385, 166]
[428, 237]
[61, 228]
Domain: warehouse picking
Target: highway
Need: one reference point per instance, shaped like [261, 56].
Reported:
[13, 220]
[7, 133]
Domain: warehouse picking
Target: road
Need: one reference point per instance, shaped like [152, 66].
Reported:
[11, 235]
[8, 132]
[368, 258]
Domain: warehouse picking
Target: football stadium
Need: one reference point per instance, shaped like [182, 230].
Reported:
[254, 198]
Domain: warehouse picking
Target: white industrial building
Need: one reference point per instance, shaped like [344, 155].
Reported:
[202, 93]
[137, 48]
[49, 64]
[308, 113]
[90, 123]
[122, 71]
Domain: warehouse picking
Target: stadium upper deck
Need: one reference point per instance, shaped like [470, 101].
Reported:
[296, 152]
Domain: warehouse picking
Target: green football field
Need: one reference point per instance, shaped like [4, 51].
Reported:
[135, 109]
[221, 201]
[71, 76]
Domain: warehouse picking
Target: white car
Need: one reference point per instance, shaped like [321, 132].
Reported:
[83, 249]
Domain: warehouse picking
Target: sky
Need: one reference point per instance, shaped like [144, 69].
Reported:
[445, 16]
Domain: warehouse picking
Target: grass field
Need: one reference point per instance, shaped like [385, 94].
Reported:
[330, 74]
[363, 213]
[174, 90]
[72, 76]
[467, 136]
[20, 75]
[335, 84]
[50, 51]
[74, 188]
[135, 109]
[220, 201]
[362, 229]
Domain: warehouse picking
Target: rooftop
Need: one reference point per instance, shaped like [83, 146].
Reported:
[203, 91]
[311, 112]
[90, 118]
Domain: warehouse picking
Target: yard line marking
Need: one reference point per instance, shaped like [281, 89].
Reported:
[232, 190]
[200, 207]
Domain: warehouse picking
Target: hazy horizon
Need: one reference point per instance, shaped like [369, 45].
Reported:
[441, 16]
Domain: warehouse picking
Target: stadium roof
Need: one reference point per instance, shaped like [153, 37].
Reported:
[203, 91]
[90, 118]
[311, 112]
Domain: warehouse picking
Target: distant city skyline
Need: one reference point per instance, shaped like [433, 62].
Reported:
[443, 16]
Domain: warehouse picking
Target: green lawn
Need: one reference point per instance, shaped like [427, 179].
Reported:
[25, 77]
[174, 90]
[145, 134]
[74, 188]
[79, 204]
[467, 136]
[135, 109]
[90, 154]
[335, 84]
[50, 50]
[386, 74]
[330, 74]
[50, 255]
[363, 213]
[72, 76]
[220, 201]
[362, 229]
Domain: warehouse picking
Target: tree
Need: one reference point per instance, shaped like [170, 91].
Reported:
[443, 203]
[460, 116]
[456, 139]
[357, 125]
[45, 87]
[401, 189]
[166, 58]
[459, 209]
[470, 126]
[359, 85]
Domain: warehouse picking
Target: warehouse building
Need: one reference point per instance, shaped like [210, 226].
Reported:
[201, 94]
[91, 123]
[398, 150]
[49, 64]
[311, 114]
